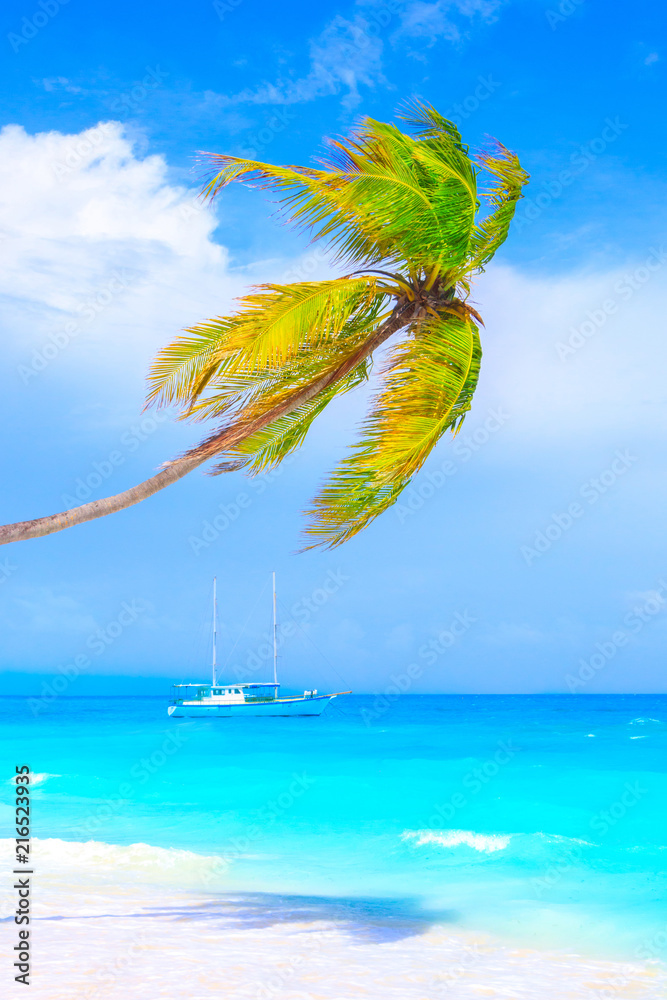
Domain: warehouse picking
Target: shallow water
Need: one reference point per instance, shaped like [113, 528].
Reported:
[449, 846]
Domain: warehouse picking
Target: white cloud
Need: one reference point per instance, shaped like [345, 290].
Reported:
[346, 55]
[645, 596]
[447, 19]
[79, 208]
[512, 633]
[96, 240]
[400, 637]
[51, 83]
[39, 609]
[93, 235]
[566, 369]
[428, 21]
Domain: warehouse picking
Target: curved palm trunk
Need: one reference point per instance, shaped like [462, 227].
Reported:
[224, 440]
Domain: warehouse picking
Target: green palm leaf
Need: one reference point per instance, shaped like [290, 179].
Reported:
[281, 336]
[405, 203]
[402, 210]
[386, 198]
[503, 196]
[420, 200]
[427, 389]
[182, 368]
[277, 321]
[266, 449]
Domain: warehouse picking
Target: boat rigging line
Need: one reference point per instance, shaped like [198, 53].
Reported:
[317, 648]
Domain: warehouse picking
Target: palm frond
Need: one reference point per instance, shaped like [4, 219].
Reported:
[267, 449]
[248, 393]
[503, 196]
[386, 197]
[182, 369]
[402, 208]
[309, 199]
[274, 324]
[425, 198]
[277, 321]
[427, 389]
[274, 388]
[427, 123]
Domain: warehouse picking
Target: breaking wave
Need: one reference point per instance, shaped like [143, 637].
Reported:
[488, 843]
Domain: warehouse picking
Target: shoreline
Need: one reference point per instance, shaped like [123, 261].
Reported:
[143, 926]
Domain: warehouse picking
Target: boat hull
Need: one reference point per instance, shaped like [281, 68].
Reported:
[279, 707]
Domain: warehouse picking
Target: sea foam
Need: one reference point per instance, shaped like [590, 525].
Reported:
[143, 863]
[152, 946]
[489, 843]
[36, 779]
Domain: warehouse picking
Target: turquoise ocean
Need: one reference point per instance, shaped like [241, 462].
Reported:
[434, 846]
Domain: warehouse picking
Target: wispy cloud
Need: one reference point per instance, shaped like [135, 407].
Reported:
[343, 57]
[611, 389]
[39, 609]
[449, 20]
[513, 633]
[347, 55]
[103, 260]
[53, 83]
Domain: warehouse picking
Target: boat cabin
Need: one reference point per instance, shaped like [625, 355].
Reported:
[223, 694]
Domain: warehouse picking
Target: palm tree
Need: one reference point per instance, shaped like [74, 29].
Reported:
[403, 212]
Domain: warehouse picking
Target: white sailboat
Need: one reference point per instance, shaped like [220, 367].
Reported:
[256, 698]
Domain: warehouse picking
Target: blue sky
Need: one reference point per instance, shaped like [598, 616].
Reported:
[543, 534]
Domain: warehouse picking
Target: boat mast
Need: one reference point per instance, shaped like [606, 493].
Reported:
[215, 628]
[275, 635]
